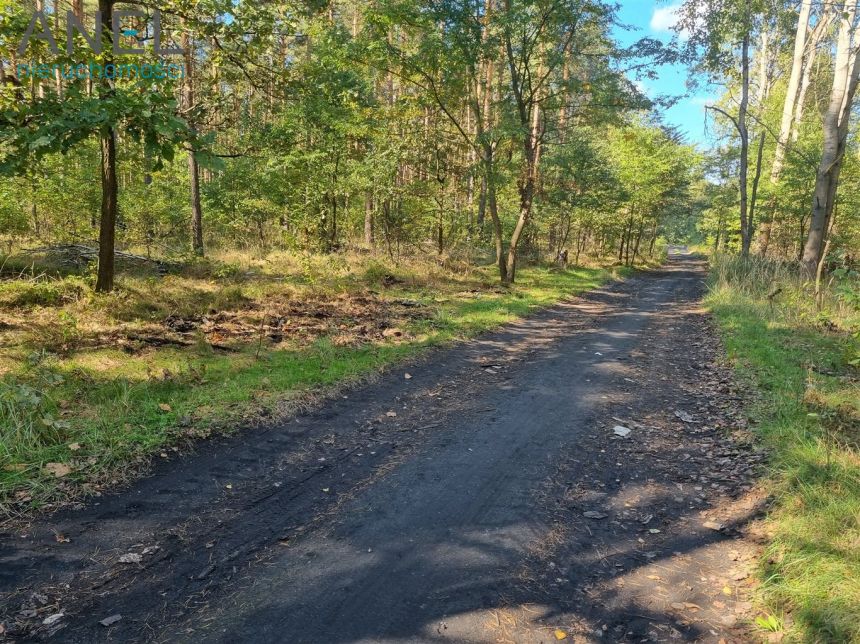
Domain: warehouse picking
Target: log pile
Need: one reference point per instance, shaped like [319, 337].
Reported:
[77, 256]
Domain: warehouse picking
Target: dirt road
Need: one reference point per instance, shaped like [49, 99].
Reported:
[488, 497]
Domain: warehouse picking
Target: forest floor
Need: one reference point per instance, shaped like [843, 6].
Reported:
[93, 387]
[583, 474]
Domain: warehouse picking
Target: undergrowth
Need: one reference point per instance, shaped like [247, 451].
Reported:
[80, 412]
[801, 358]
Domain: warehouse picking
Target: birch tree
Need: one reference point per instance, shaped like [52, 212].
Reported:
[719, 41]
[792, 90]
[835, 129]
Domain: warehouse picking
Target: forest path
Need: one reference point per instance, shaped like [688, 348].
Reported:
[485, 498]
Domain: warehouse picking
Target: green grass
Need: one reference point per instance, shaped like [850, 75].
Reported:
[799, 361]
[103, 413]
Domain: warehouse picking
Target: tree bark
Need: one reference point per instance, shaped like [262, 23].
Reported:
[193, 165]
[755, 183]
[788, 106]
[110, 189]
[482, 107]
[501, 260]
[529, 111]
[818, 33]
[835, 127]
[368, 220]
[744, 134]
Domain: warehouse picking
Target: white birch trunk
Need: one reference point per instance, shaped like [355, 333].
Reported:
[835, 128]
[788, 108]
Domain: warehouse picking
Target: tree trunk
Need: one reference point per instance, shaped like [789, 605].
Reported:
[755, 183]
[368, 220]
[653, 239]
[501, 261]
[107, 228]
[58, 77]
[196, 206]
[767, 227]
[529, 111]
[835, 127]
[482, 203]
[193, 166]
[332, 240]
[820, 30]
[638, 241]
[628, 236]
[440, 230]
[794, 78]
[744, 134]
[527, 192]
[484, 90]
[109, 207]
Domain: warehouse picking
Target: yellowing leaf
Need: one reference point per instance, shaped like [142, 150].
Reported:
[727, 591]
[560, 634]
[165, 407]
[74, 446]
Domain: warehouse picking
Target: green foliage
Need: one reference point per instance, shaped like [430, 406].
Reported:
[370, 113]
[807, 414]
[28, 419]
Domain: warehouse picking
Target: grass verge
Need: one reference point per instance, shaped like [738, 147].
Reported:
[78, 416]
[802, 362]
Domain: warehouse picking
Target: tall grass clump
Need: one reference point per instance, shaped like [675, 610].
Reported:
[788, 292]
[753, 275]
[798, 354]
[26, 420]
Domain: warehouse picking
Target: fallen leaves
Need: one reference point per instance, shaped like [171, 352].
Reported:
[165, 407]
[59, 470]
[560, 634]
[620, 430]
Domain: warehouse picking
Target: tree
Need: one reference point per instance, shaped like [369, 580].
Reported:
[846, 68]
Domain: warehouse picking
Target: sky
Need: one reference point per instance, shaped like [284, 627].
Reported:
[654, 19]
